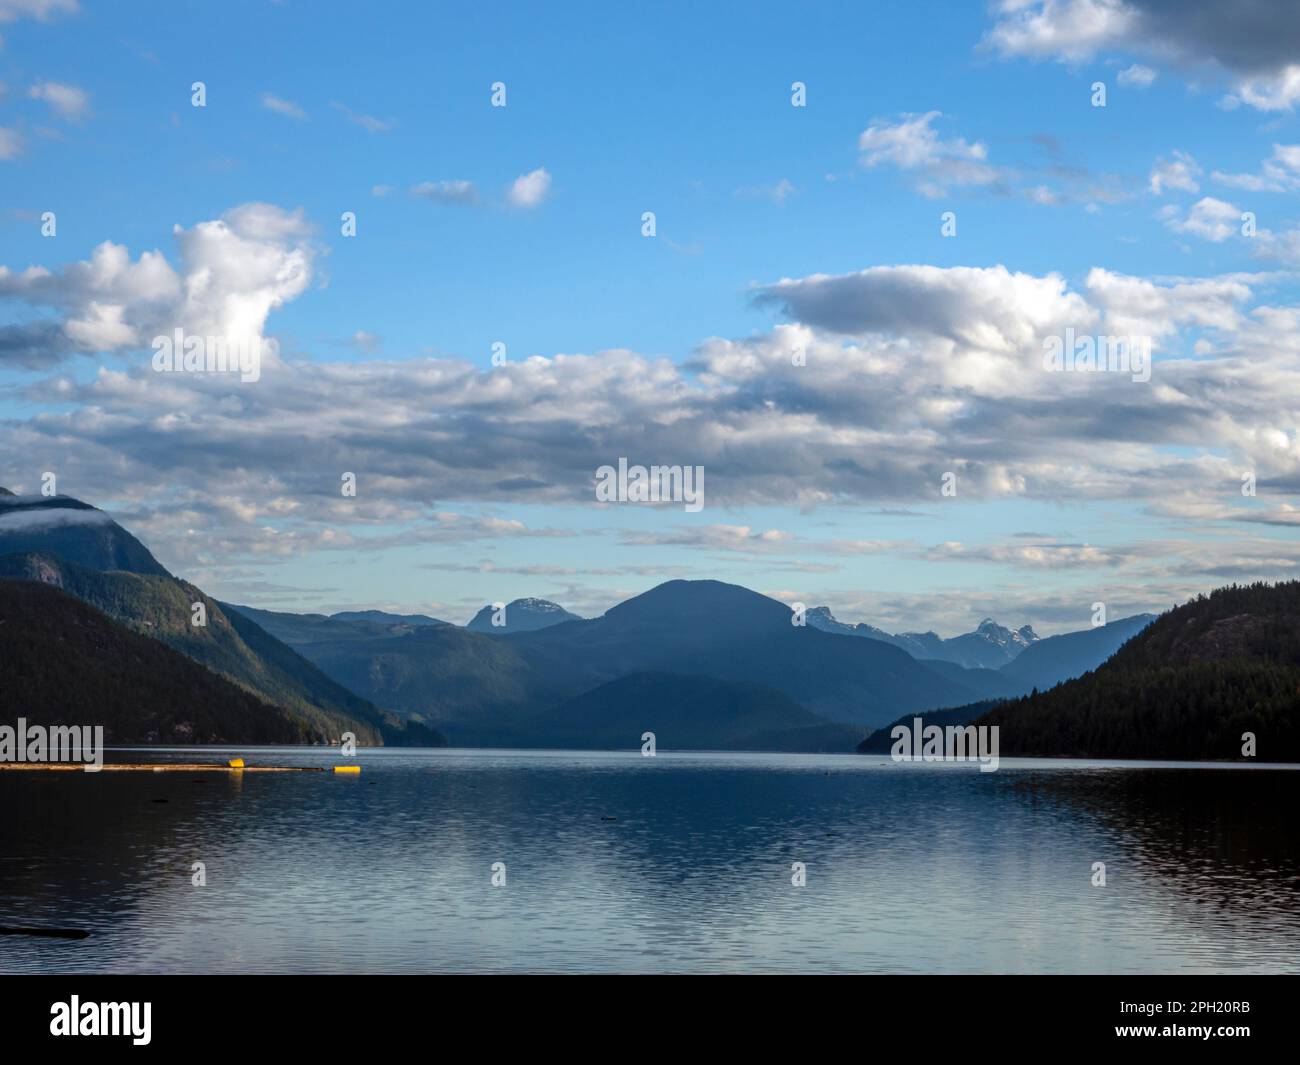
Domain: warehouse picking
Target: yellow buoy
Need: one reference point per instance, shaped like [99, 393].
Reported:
[236, 763]
[347, 769]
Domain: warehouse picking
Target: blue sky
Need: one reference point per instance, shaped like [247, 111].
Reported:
[820, 487]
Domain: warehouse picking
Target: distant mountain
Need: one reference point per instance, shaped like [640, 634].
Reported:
[687, 713]
[66, 663]
[469, 684]
[301, 630]
[1072, 654]
[1186, 687]
[72, 530]
[820, 617]
[160, 606]
[521, 615]
[481, 689]
[881, 742]
[382, 617]
[990, 646]
[728, 632]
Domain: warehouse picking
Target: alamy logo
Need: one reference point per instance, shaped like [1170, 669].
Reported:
[57, 743]
[920, 742]
[181, 353]
[1084, 353]
[102, 1018]
[654, 484]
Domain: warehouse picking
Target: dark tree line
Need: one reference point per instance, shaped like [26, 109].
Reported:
[1188, 687]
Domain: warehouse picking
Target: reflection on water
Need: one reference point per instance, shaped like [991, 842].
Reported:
[616, 862]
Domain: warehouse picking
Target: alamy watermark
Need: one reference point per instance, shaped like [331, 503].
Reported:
[1085, 353]
[653, 484]
[191, 353]
[919, 742]
[54, 743]
[103, 1018]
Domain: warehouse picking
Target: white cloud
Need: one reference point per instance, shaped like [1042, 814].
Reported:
[42, 10]
[989, 309]
[283, 107]
[24, 520]
[1254, 47]
[369, 123]
[529, 190]
[1278, 173]
[1180, 172]
[912, 144]
[1274, 92]
[11, 143]
[233, 272]
[777, 193]
[1067, 29]
[1137, 76]
[446, 192]
[68, 100]
[908, 372]
[364, 340]
[1211, 219]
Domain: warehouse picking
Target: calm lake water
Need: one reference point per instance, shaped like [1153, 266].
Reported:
[682, 862]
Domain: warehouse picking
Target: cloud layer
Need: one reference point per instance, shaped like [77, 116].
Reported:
[882, 382]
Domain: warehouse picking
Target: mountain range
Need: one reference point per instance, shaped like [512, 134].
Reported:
[698, 663]
[509, 688]
[990, 646]
[482, 689]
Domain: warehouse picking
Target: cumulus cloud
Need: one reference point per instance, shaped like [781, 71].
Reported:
[1209, 218]
[232, 273]
[1253, 46]
[529, 190]
[979, 308]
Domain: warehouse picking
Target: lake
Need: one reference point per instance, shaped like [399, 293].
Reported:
[680, 863]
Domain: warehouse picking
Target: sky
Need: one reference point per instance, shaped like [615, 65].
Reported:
[870, 220]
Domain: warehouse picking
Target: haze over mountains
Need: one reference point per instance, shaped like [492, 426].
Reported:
[701, 663]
